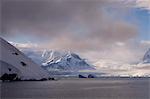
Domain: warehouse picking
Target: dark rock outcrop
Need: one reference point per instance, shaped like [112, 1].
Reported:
[91, 76]
[81, 76]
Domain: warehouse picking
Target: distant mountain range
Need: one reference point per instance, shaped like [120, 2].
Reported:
[59, 61]
[55, 62]
[69, 61]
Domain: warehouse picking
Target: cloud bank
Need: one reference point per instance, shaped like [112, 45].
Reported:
[145, 4]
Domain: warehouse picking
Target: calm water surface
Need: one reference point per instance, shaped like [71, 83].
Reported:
[78, 89]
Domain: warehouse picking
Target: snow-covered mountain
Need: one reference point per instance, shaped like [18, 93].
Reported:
[146, 58]
[58, 60]
[14, 61]
[64, 61]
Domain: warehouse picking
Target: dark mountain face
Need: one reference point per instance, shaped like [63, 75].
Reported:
[146, 58]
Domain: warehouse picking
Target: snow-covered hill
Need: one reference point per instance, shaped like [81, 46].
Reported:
[14, 61]
[146, 58]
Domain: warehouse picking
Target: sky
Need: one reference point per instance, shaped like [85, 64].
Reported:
[116, 30]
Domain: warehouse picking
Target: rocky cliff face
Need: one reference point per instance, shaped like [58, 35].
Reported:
[146, 58]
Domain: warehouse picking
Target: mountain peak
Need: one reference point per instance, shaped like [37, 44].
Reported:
[146, 58]
[65, 61]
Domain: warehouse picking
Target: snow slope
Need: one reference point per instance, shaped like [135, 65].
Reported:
[12, 60]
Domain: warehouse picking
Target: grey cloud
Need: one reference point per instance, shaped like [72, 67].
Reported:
[79, 25]
[52, 17]
[40, 17]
